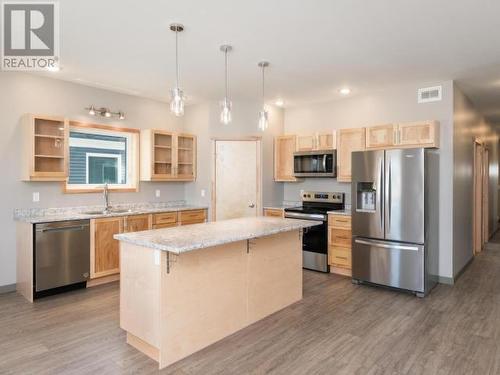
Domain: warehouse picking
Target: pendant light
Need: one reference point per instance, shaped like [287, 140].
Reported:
[263, 114]
[225, 110]
[176, 94]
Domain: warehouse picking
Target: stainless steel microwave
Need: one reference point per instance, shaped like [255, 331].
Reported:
[315, 164]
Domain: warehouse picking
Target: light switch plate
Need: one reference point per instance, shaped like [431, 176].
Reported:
[203, 192]
[157, 193]
[36, 196]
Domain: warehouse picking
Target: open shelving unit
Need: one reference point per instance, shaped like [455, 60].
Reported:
[46, 148]
[167, 156]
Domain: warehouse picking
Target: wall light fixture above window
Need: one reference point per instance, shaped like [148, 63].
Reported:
[104, 112]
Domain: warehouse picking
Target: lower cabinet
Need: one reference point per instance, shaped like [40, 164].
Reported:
[104, 249]
[136, 223]
[339, 244]
[192, 217]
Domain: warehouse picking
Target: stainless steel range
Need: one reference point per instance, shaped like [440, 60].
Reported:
[315, 206]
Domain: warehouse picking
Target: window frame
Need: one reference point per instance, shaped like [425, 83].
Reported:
[132, 158]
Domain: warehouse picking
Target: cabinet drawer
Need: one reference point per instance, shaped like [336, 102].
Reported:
[273, 212]
[339, 237]
[165, 225]
[199, 221]
[339, 221]
[339, 256]
[191, 216]
[165, 218]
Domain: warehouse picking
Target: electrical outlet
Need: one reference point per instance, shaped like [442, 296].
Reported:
[157, 193]
[202, 192]
[36, 196]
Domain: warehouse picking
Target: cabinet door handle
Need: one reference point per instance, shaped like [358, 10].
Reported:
[339, 257]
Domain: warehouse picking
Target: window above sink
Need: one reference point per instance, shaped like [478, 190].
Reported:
[101, 155]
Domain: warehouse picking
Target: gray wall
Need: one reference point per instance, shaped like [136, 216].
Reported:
[203, 120]
[391, 105]
[469, 125]
[28, 93]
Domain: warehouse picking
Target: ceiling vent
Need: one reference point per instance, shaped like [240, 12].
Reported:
[430, 94]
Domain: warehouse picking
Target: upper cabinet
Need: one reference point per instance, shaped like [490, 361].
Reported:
[420, 134]
[348, 140]
[167, 156]
[319, 141]
[412, 134]
[381, 136]
[45, 153]
[284, 147]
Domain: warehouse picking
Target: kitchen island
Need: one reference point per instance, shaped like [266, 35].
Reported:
[184, 288]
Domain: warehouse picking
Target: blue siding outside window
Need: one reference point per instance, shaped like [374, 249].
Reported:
[78, 156]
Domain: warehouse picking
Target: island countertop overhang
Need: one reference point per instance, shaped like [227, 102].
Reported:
[183, 239]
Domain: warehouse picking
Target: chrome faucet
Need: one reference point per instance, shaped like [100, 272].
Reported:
[107, 207]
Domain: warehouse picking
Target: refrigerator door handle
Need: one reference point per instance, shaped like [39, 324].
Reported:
[385, 245]
[381, 199]
[389, 196]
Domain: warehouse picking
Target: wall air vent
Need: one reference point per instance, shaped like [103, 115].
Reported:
[430, 94]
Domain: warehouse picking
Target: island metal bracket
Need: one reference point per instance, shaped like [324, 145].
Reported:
[249, 243]
[170, 260]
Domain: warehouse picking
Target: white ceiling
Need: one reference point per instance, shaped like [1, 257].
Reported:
[314, 47]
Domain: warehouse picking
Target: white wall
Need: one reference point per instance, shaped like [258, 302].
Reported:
[470, 125]
[391, 105]
[203, 120]
[27, 93]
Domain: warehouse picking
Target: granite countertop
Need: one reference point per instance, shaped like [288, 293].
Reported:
[187, 238]
[47, 215]
[345, 212]
[283, 205]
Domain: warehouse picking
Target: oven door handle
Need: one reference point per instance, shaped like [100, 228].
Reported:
[296, 215]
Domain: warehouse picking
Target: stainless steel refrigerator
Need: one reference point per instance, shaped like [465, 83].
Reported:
[395, 218]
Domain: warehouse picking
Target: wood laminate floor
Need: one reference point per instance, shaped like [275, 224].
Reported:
[338, 328]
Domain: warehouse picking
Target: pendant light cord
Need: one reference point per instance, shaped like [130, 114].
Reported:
[225, 71]
[263, 85]
[176, 58]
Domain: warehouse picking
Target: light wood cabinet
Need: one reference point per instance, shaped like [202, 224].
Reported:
[44, 153]
[419, 134]
[348, 140]
[381, 136]
[192, 217]
[167, 156]
[136, 223]
[284, 147]
[318, 141]
[412, 134]
[104, 249]
[339, 244]
[274, 212]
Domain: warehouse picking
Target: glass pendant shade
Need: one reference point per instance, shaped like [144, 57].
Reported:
[177, 102]
[225, 111]
[263, 120]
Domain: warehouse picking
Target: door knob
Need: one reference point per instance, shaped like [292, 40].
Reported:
[251, 205]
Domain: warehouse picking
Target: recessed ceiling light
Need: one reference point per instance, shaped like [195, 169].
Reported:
[279, 102]
[345, 91]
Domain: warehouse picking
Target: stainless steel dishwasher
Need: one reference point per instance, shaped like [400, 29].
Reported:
[62, 255]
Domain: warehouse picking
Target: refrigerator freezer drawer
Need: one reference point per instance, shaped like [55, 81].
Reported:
[387, 263]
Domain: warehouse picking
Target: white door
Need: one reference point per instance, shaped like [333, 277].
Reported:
[237, 179]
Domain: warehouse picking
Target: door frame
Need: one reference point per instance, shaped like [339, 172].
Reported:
[258, 166]
[480, 202]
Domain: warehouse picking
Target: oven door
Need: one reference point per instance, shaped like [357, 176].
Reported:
[315, 247]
